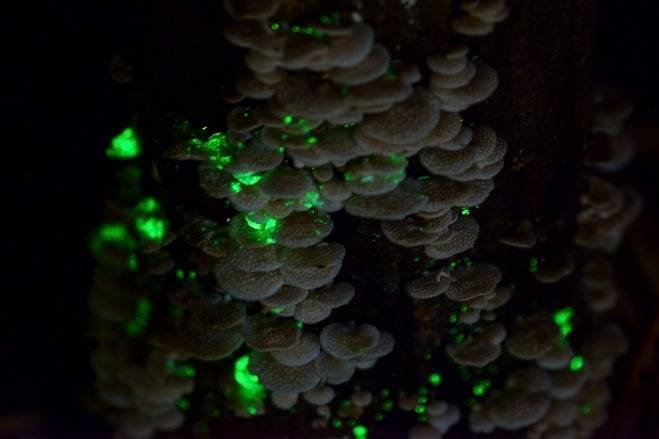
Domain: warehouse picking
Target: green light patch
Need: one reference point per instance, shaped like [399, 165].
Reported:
[124, 146]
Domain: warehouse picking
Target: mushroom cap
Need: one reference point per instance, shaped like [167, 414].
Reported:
[423, 431]
[477, 90]
[208, 344]
[254, 260]
[347, 341]
[443, 422]
[428, 286]
[477, 280]
[280, 378]
[530, 378]
[304, 229]
[407, 121]
[266, 332]
[305, 350]
[533, 338]
[516, 409]
[283, 400]
[557, 357]
[474, 351]
[458, 237]
[212, 311]
[319, 395]
[311, 267]
[244, 285]
[372, 66]
[286, 296]
[334, 370]
[404, 200]
[443, 193]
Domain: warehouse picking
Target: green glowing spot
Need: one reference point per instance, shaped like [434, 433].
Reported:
[422, 418]
[427, 356]
[562, 319]
[292, 410]
[151, 227]
[393, 158]
[464, 308]
[311, 140]
[132, 263]
[378, 416]
[180, 273]
[192, 274]
[419, 409]
[276, 310]
[337, 423]
[435, 379]
[585, 409]
[453, 317]
[576, 363]
[423, 391]
[367, 179]
[183, 403]
[360, 432]
[351, 422]
[124, 146]
[422, 399]
[140, 321]
[274, 26]
[385, 392]
[459, 338]
[248, 179]
[299, 324]
[116, 234]
[312, 199]
[181, 370]
[533, 265]
[325, 20]
[388, 405]
[250, 393]
[480, 388]
[236, 187]
[464, 211]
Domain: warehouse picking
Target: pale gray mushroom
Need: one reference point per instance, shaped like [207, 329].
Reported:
[283, 400]
[285, 297]
[319, 395]
[254, 260]
[557, 357]
[213, 311]
[516, 409]
[530, 378]
[477, 90]
[280, 378]
[458, 237]
[208, 344]
[477, 280]
[361, 399]
[348, 341]
[474, 351]
[444, 421]
[304, 229]
[334, 370]
[304, 351]
[562, 413]
[567, 383]
[535, 336]
[429, 285]
[372, 66]
[266, 332]
[521, 237]
[423, 431]
[311, 267]
[444, 193]
[245, 285]
[404, 200]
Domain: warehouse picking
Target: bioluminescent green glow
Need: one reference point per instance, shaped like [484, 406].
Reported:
[269, 224]
[249, 179]
[378, 416]
[250, 393]
[562, 319]
[576, 363]
[585, 409]
[116, 234]
[181, 370]
[138, 324]
[275, 26]
[464, 211]
[308, 30]
[533, 265]
[427, 356]
[337, 423]
[481, 387]
[151, 227]
[132, 263]
[311, 140]
[360, 432]
[419, 409]
[385, 392]
[453, 317]
[183, 403]
[147, 205]
[388, 405]
[124, 146]
[435, 379]
[459, 338]
[422, 417]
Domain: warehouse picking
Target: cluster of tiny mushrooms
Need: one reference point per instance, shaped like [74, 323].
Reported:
[332, 124]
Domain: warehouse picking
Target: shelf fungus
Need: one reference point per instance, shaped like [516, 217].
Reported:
[522, 237]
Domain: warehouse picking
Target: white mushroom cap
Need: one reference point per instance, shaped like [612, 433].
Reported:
[334, 370]
[521, 237]
[516, 409]
[423, 431]
[361, 399]
[474, 351]
[404, 200]
[558, 356]
[477, 90]
[244, 285]
[444, 193]
[304, 229]
[347, 341]
[304, 351]
[311, 267]
[208, 344]
[429, 285]
[494, 333]
[266, 332]
[531, 378]
[253, 260]
[212, 311]
[535, 336]
[277, 377]
[284, 400]
[319, 395]
[459, 236]
[477, 280]
[446, 420]
[374, 65]
[286, 296]
[566, 383]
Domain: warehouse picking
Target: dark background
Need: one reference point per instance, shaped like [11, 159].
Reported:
[60, 110]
